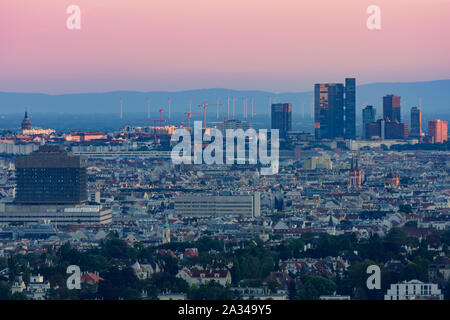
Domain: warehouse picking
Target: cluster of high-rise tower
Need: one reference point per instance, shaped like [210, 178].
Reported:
[335, 110]
[391, 127]
[335, 116]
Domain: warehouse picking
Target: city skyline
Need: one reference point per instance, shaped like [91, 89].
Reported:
[256, 152]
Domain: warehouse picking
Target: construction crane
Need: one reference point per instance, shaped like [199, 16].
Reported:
[160, 117]
[189, 114]
[204, 106]
[154, 128]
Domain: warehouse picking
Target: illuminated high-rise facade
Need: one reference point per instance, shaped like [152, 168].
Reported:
[335, 109]
[391, 108]
[329, 110]
[282, 117]
[437, 130]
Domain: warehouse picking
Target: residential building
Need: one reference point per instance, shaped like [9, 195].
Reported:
[203, 276]
[414, 290]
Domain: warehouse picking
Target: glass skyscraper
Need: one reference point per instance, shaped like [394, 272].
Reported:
[329, 102]
[369, 115]
[350, 108]
[391, 108]
[282, 117]
[416, 122]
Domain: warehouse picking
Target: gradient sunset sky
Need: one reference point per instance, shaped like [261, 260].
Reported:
[276, 45]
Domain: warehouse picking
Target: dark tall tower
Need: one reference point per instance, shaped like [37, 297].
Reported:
[51, 176]
[416, 122]
[369, 115]
[391, 108]
[26, 123]
[329, 110]
[350, 108]
[282, 117]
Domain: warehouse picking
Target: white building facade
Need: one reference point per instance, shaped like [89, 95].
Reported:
[414, 290]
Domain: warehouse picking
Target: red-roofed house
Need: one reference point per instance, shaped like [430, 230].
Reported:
[91, 278]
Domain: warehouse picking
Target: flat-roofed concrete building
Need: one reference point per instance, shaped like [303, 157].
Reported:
[58, 214]
[51, 175]
[235, 205]
[52, 185]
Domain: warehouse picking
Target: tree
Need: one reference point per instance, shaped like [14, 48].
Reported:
[131, 294]
[413, 271]
[4, 290]
[273, 286]
[396, 236]
[210, 291]
[315, 286]
[292, 290]
[405, 208]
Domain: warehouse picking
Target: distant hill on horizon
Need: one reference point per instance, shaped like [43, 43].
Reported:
[434, 96]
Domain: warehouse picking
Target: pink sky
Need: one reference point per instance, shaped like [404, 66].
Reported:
[277, 45]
